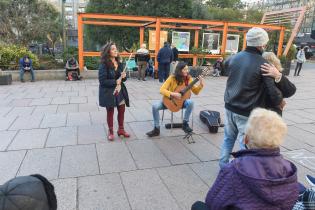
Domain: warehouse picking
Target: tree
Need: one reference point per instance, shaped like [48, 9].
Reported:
[234, 4]
[26, 21]
[125, 35]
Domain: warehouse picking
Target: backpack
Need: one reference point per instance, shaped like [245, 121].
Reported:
[212, 119]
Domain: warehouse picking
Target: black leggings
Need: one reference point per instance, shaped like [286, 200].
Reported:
[298, 68]
[199, 206]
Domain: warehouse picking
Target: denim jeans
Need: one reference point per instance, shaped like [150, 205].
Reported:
[188, 105]
[234, 128]
[22, 71]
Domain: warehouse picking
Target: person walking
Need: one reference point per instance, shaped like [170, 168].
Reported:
[164, 58]
[300, 59]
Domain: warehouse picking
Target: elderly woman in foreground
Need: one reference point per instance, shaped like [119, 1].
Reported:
[259, 177]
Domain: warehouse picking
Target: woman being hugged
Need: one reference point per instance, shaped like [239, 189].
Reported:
[110, 75]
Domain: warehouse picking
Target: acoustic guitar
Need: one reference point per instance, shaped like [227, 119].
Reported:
[174, 104]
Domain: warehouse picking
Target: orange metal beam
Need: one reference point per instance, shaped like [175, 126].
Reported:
[249, 25]
[80, 42]
[225, 30]
[244, 40]
[157, 44]
[221, 29]
[191, 21]
[196, 46]
[107, 23]
[141, 35]
[280, 44]
[117, 17]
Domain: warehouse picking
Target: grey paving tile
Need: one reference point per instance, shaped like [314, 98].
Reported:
[6, 122]
[98, 117]
[78, 100]
[20, 102]
[141, 114]
[62, 136]
[77, 119]
[141, 128]
[29, 139]
[66, 108]
[66, 192]
[4, 110]
[9, 164]
[175, 151]
[54, 120]
[302, 157]
[49, 109]
[184, 185]
[41, 161]
[146, 190]
[40, 102]
[20, 111]
[207, 171]
[70, 93]
[202, 149]
[78, 161]
[60, 100]
[26, 122]
[102, 192]
[6, 138]
[88, 108]
[146, 154]
[91, 134]
[114, 157]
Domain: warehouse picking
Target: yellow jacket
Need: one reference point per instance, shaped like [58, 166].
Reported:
[170, 85]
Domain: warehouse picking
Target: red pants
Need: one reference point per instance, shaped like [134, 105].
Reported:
[120, 117]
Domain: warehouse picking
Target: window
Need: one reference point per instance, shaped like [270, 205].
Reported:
[68, 9]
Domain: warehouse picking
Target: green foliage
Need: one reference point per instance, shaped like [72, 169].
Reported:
[10, 55]
[70, 52]
[227, 14]
[26, 21]
[92, 63]
[291, 53]
[126, 36]
[253, 16]
[49, 62]
[233, 4]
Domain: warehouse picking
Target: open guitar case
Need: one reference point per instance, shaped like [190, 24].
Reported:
[212, 119]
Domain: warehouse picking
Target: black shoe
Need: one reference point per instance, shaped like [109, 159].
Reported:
[186, 127]
[154, 132]
[32, 80]
[22, 80]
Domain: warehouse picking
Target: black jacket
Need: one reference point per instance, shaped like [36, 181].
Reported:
[165, 55]
[175, 54]
[107, 79]
[246, 88]
[287, 89]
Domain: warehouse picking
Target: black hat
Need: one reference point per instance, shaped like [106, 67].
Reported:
[33, 192]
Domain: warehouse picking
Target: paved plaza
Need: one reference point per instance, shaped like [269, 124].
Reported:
[57, 129]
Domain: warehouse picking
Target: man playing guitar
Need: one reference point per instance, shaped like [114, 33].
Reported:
[176, 91]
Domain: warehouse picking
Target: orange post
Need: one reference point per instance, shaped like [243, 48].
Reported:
[196, 46]
[141, 35]
[225, 30]
[157, 44]
[280, 44]
[80, 42]
[244, 40]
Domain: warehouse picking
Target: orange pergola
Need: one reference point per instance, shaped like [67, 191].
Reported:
[143, 22]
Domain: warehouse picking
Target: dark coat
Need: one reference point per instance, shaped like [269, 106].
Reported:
[175, 54]
[255, 179]
[287, 89]
[246, 87]
[107, 79]
[165, 55]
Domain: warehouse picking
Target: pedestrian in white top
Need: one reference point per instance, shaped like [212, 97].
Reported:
[300, 60]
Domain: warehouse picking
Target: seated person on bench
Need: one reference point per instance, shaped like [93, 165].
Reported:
[72, 66]
[25, 64]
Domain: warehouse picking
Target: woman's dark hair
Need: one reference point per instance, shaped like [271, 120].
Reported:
[105, 55]
[178, 72]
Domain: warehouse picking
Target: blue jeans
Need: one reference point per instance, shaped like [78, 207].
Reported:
[234, 128]
[22, 71]
[188, 105]
[164, 71]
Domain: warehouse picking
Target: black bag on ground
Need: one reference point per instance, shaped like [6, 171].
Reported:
[211, 119]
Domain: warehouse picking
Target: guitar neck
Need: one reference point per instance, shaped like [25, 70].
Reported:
[189, 86]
